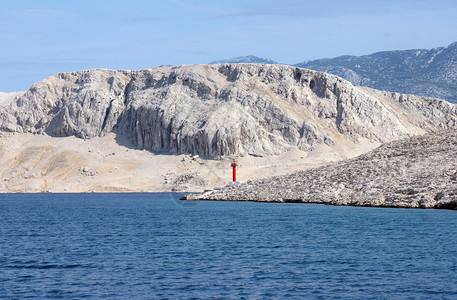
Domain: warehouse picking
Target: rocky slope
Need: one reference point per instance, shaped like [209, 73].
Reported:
[413, 172]
[222, 110]
[40, 163]
[431, 73]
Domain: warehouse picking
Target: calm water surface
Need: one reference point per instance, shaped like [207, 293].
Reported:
[150, 246]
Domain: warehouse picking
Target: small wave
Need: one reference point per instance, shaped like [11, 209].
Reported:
[44, 266]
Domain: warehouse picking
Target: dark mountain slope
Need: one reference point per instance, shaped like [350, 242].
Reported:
[431, 73]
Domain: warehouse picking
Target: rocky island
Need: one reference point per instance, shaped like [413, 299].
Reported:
[417, 172]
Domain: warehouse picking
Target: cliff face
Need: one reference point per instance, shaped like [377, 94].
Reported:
[222, 110]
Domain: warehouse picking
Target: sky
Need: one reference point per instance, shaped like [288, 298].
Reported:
[41, 38]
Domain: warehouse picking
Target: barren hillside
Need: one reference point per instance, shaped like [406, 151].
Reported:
[86, 130]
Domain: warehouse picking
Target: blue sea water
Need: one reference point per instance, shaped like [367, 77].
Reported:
[152, 246]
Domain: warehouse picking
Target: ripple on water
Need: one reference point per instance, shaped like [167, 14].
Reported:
[127, 246]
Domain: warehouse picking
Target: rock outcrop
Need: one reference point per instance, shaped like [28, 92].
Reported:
[222, 110]
[417, 172]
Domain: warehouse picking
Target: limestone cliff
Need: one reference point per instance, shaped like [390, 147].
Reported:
[222, 110]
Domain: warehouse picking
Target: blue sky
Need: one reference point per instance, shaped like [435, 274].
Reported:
[41, 38]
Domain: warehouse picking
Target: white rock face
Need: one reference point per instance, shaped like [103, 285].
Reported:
[7, 98]
[221, 110]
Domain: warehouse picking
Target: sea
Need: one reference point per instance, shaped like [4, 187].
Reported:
[155, 246]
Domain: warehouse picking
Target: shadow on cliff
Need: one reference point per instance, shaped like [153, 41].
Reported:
[125, 141]
[175, 193]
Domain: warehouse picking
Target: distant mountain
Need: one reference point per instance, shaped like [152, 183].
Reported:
[431, 73]
[244, 59]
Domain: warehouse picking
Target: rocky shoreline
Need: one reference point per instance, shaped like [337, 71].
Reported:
[417, 172]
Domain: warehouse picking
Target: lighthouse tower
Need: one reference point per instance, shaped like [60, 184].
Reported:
[234, 165]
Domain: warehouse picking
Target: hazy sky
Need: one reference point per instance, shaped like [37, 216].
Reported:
[41, 38]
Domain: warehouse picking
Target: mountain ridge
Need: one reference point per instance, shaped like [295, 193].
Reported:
[423, 72]
[244, 59]
[222, 110]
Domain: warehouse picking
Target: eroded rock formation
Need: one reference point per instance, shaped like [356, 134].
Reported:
[222, 110]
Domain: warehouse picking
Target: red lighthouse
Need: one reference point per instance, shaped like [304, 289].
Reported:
[234, 165]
